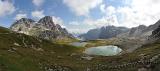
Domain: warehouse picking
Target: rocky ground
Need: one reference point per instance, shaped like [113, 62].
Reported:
[129, 44]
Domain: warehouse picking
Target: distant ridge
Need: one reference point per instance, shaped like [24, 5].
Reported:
[104, 32]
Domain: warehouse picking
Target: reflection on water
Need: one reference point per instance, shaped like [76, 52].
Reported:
[103, 50]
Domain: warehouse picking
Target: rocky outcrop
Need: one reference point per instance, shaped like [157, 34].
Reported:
[22, 25]
[48, 23]
[44, 28]
[57, 68]
[156, 33]
[136, 31]
[141, 31]
[143, 64]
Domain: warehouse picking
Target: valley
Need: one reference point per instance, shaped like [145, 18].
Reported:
[79, 35]
[20, 52]
[42, 45]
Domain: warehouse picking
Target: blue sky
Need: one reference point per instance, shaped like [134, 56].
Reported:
[50, 7]
[79, 16]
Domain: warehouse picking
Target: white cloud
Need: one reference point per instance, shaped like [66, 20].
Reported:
[19, 16]
[74, 23]
[38, 2]
[109, 10]
[140, 12]
[89, 23]
[102, 8]
[58, 20]
[104, 21]
[77, 30]
[131, 14]
[38, 14]
[78, 27]
[134, 13]
[82, 7]
[6, 8]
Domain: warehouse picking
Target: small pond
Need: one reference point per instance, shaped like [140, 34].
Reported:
[103, 50]
[78, 44]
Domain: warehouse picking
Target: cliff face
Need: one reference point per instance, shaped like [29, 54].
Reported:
[44, 28]
[142, 31]
[22, 25]
[156, 33]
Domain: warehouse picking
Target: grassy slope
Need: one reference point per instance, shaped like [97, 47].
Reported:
[94, 43]
[26, 58]
[148, 50]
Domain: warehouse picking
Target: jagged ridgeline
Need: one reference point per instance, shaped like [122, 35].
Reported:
[140, 32]
[44, 28]
[104, 32]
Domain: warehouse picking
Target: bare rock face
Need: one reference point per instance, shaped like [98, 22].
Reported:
[136, 31]
[44, 28]
[141, 31]
[22, 25]
[143, 69]
[156, 33]
[47, 22]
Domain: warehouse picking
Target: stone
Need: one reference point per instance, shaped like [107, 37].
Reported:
[142, 69]
[39, 49]
[16, 44]
[10, 50]
[73, 54]
[87, 58]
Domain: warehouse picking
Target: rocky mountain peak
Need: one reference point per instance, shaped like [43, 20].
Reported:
[142, 27]
[58, 26]
[111, 31]
[104, 32]
[47, 22]
[156, 32]
[46, 19]
[44, 28]
[27, 22]
[22, 25]
[137, 31]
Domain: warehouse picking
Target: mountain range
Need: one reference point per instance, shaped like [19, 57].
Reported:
[44, 28]
[140, 31]
[104, 32]
[47, 29]
[20, 50]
